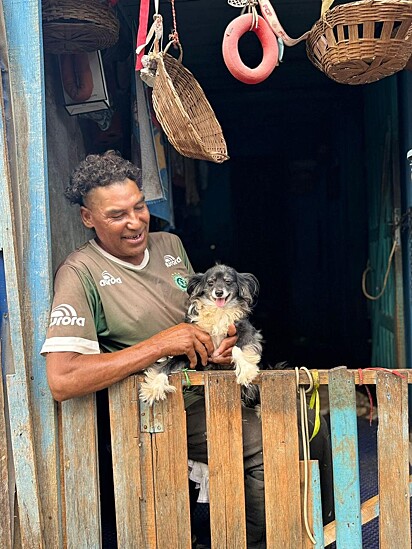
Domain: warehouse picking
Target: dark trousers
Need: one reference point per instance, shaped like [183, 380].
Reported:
[253, 465]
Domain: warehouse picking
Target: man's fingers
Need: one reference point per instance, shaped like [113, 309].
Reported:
[231, 331]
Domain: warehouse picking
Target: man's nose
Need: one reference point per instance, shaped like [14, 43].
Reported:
[133, 219]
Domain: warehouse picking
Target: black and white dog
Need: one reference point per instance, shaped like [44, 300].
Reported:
[218, 298]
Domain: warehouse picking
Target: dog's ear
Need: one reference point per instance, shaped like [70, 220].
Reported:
[194, 288]
[248, 287]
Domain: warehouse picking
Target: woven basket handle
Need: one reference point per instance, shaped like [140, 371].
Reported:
[180, 58]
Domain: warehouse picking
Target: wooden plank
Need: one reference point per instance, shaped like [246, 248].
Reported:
[368, 376]
[81, 473]
[342, 399]
[29, 273]
[393, 461]
[171, 474]
[225, 457]
[369, 511]
[6, 505]
[281, 460]
[314, 505]
[132, 469]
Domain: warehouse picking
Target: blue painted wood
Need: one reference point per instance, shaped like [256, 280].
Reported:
[344, 431]
[13, 361]
[316, 505]
[27, 258]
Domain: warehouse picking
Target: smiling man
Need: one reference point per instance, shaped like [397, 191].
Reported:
[119, 306]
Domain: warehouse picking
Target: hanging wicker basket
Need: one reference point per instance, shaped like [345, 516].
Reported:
[362, 42]
[184, 112]
[72, 26]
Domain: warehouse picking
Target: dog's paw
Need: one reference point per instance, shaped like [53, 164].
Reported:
[155, 387]
[258, 411]
[246, 365]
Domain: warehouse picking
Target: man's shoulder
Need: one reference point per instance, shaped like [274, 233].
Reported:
[80, 257]
[164, 238]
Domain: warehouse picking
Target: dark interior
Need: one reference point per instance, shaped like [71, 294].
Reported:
[290, 205]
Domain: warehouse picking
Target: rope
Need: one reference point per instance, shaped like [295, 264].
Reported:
[377, 369]
[251, 8]
[305, 443]
[174, 35]
[385, 280]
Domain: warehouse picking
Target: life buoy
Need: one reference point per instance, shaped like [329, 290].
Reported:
[234, 31]
[77, 76]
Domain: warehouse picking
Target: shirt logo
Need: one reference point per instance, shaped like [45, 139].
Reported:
[109, 280]
[65, 315]
[170, 261]
[180, 281]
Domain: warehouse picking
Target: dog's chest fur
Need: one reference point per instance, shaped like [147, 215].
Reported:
[215, 320]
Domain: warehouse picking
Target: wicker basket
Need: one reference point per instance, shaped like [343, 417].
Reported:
[362, 42]
[185, 114]
[71, 26]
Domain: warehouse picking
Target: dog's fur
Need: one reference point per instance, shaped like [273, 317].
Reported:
[218, 298]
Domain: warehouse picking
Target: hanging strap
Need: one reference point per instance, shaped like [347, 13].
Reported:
[143, 38]
[270, 16]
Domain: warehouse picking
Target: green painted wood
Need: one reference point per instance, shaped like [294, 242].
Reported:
[383, 181]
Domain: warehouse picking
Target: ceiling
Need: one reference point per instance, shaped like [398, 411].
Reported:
[201, 25]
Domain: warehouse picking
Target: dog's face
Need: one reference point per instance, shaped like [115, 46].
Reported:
[223, 285]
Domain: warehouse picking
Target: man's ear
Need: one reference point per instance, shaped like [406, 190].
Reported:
[86, 216]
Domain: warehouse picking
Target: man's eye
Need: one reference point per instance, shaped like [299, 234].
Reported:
[140, 207]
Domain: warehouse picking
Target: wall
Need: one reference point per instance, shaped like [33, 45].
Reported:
[65, 149]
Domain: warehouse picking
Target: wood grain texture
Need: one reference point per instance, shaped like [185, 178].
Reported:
[6, 505]
[81, 473]
[314, 505]
[281, 461]
[171, 474]
[225, 455]
[132, 469]
[344, 430]
[27, 252]
[393, 461]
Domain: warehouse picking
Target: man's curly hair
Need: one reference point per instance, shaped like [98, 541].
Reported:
[100, 170]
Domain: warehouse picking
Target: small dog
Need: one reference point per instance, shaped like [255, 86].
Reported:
[218, 298]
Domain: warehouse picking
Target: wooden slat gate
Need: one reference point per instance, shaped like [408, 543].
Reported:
[151, 475]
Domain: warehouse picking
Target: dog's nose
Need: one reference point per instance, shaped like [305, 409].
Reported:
[219, 293]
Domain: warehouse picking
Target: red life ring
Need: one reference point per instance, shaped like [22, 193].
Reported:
[234, 31]
[77, 76]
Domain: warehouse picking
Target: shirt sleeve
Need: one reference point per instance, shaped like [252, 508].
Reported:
[72, 327]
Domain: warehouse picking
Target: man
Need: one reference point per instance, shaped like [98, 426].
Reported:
[119, 306]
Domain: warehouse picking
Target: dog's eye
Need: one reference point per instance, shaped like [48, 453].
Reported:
[229, 282]
[210, 283]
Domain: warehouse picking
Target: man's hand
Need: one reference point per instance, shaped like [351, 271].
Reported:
[185, 339]
[223, 354]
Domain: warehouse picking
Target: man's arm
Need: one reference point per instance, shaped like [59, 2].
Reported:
[73, 374]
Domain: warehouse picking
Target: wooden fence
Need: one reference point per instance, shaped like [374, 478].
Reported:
[150, 468]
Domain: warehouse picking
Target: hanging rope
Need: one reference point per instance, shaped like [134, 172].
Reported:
[385, 280]
[305, 443]
[174, 35]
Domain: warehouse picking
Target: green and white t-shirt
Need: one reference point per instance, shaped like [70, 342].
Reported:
[103, 304]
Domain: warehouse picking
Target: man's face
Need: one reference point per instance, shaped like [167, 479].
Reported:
[119, 215]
